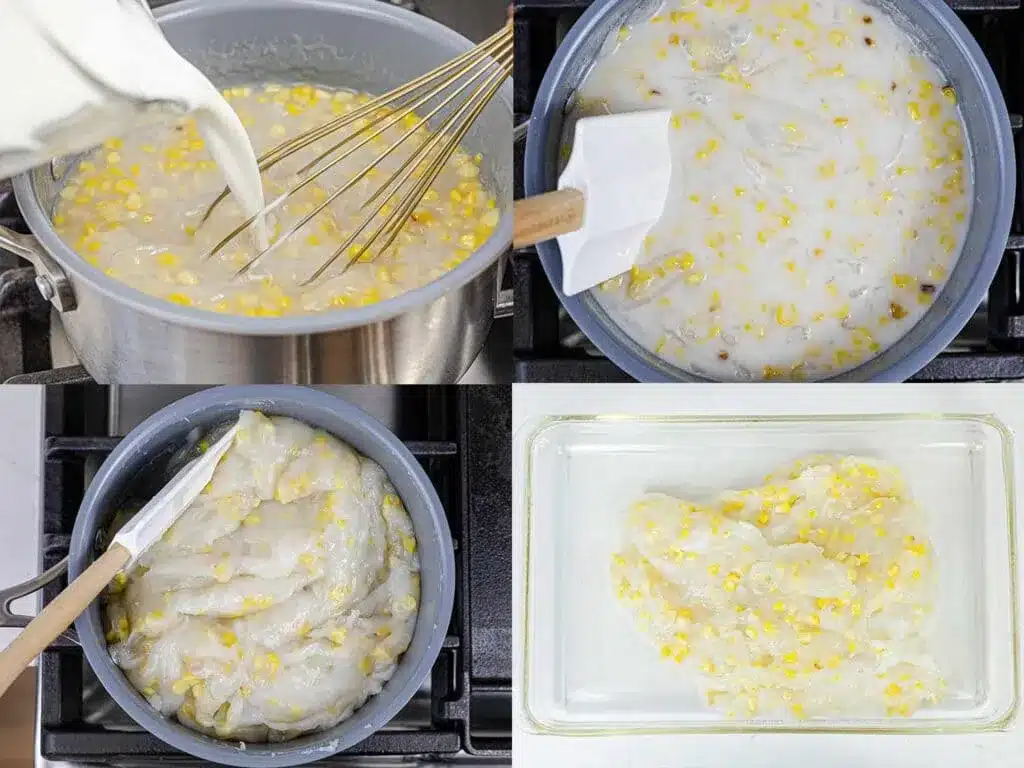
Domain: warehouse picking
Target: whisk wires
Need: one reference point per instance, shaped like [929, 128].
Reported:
[470, 81]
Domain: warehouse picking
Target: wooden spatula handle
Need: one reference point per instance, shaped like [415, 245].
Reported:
[58, 615]
[546, 216]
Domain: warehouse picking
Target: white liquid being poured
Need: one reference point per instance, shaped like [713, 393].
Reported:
[101, 68]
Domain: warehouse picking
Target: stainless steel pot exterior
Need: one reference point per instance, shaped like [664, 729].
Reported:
[153, 442]
[428, 335]
[989, 138]
[433, 344]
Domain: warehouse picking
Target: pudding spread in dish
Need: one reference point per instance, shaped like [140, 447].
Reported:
[281, 599]
[809, 596]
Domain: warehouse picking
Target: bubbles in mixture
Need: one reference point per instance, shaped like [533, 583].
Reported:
[134, 209]
[820, 191]
[281, 599]
[809, 596]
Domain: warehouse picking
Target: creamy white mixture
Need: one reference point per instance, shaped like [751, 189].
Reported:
[821, 184]
[104, 66]
[281, 599]
[135, 208]
[809, 596]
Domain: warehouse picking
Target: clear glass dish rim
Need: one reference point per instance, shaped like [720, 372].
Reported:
[540, 425]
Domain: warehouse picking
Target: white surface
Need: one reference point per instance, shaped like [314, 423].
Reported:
[622, 165]
[21, 485]
[992, 750]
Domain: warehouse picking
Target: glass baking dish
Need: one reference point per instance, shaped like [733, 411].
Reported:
[587, 669]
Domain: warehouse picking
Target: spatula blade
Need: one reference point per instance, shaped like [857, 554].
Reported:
[623, 165]
[152, 521]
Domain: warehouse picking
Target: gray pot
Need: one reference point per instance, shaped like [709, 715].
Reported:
[428, 335]
[146, 450]
[988, 135]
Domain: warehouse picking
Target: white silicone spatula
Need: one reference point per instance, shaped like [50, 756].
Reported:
[137, 535]
[610, 194]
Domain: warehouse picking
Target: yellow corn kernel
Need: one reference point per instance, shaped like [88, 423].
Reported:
[222, 572]
[901, 280]
[338, 636]
[696, 278]
[786, 316]
[269, 662]
[731, 74]
[338, 594]
[183, 685]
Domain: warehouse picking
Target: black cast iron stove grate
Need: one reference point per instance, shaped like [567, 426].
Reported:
[461, 436]
[550, 348]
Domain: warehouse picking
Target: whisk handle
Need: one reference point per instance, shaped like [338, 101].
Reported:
[543, 217]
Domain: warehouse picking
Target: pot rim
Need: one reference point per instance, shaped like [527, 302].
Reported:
[602, 333]
[311, 746]
[319, 322]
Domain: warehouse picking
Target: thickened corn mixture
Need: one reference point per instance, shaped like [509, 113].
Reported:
[133, 208]
[281, 599]
[809, 596]
[820, 191]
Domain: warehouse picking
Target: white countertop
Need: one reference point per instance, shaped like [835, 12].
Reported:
[768, 750]
[21, 485]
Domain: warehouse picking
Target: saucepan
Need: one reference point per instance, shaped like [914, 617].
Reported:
[431, 334]
[145, 452]
[989, 138]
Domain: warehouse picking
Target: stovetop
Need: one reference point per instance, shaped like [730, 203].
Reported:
[549, 347]
[462, 713]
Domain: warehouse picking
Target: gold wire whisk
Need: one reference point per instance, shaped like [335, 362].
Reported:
[483, 68]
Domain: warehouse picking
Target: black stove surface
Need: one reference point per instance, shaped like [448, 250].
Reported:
[548, 347]
[462, 714]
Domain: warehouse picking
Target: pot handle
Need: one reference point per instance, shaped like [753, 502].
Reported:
[503, 304]
[51, 280]
[9, 619]
[520, 132]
